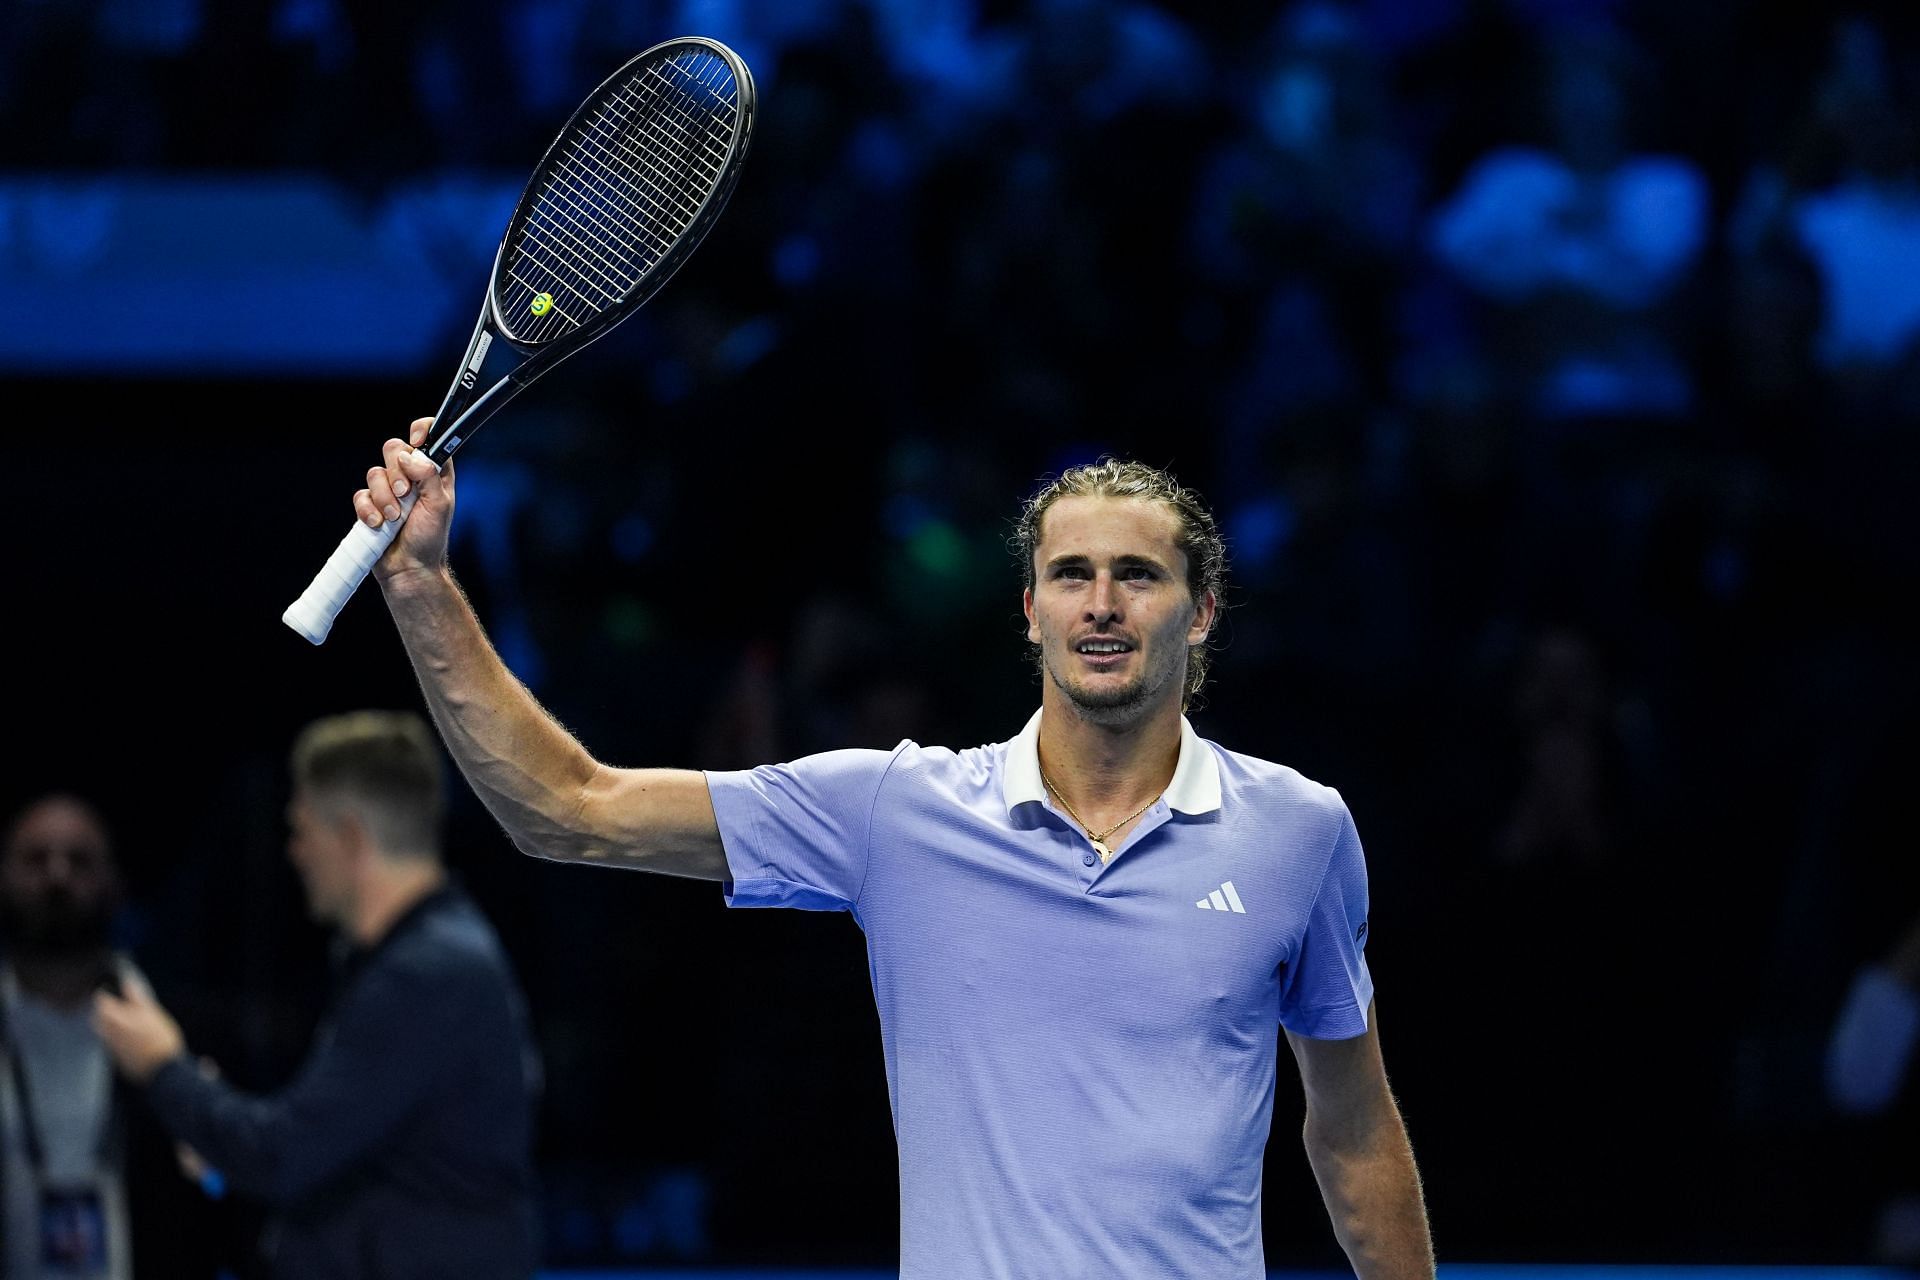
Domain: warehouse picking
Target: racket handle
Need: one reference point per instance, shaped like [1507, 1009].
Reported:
[313, 613]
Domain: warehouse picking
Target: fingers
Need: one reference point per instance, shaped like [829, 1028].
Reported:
[134, 1002]
[379, 502]
[408, 466]
[403, 468]
[364, 509]
[109, 1014]
[133, 984]
[138, 1034]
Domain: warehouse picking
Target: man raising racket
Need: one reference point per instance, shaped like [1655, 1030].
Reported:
[1083, 941]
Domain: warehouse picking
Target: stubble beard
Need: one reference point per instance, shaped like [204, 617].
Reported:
[1112, 707]
[57, 925]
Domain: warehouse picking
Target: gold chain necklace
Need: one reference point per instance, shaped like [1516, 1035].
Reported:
[1099, 840]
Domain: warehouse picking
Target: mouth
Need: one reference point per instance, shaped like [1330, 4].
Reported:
[1102, 651]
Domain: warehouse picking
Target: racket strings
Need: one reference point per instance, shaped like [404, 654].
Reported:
[630, 178]
[618, 192]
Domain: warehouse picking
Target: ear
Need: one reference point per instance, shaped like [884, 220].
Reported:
[1204, 614]
[1026, 607]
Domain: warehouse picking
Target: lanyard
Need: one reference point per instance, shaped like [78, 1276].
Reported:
[15, 1063]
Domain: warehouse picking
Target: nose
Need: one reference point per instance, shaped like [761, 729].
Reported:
[1103, 602]
[60, 867]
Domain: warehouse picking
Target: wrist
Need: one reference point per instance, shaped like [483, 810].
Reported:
[145, 1074]
[415, 582]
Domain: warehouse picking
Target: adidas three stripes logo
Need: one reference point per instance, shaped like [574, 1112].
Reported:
[1222, 899]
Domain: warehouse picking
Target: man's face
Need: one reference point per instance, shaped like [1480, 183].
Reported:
[59, 887]
[321, 848]
[1110, 608]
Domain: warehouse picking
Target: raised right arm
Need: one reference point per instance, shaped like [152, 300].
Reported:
[554, 799]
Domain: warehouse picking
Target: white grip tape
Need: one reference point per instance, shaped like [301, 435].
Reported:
[313, 613]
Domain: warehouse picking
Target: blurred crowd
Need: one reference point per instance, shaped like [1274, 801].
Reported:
[1554, 366]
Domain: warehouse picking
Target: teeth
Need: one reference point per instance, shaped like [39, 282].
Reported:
[1097, 646]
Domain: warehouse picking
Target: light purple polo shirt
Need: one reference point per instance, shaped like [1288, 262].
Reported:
[1080, 1057]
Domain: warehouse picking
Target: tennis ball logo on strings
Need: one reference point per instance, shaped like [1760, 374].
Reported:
[542, 303]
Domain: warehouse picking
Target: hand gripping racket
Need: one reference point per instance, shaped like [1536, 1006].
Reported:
[622, 197]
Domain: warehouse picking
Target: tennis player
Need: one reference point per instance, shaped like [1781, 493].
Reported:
[1083, 941]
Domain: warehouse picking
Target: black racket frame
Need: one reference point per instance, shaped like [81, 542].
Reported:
[466, 407]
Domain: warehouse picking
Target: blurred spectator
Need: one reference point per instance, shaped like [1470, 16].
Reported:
[1869, 1064]
[1863, 232]
[1773, 308]
[1873, 1038]
[85, 1187]
[1322, 171]
[1092, 60]
[403, 1145]
[1581, 245]
[1561, 811]
[1301, 226]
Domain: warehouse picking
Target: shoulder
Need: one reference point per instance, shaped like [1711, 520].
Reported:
[1513, 170]
[455, 946]
[905, 771]
[1267, 791]
[1662, 176]
[936, 774]
[846, 766]
[1828, 218]
[946, 765]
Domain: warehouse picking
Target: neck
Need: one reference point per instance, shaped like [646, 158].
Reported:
[1099, 767]
[64, 979]
[389, 893]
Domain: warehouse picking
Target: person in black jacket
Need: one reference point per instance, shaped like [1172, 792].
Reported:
[403, 1145]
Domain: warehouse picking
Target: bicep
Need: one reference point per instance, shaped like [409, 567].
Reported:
[1345, 1082]
[658, 820]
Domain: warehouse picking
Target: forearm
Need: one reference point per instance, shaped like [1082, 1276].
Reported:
[1372, 1193]
[530, 773]
[554, 799]
[250, 1140]
[400, 1036]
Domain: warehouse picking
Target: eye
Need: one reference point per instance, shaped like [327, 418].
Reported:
[1136, 573]
[1070, 571]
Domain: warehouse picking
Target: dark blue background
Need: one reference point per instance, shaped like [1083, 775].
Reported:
[1552, 367]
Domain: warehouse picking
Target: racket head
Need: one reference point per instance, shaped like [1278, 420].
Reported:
[624, 194]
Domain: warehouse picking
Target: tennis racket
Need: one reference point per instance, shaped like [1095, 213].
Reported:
[622, 197]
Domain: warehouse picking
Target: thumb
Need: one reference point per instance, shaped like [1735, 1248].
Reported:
[133, 986]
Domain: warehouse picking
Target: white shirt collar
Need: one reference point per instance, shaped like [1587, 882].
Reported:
[1196, 775]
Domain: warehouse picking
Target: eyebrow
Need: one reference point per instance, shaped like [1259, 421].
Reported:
[1128, 560]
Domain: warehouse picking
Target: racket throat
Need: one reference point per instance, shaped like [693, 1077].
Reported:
[470, 399]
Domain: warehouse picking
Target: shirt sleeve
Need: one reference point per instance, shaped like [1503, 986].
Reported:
[1325, 991]
[387, 1051]
[796, 835]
